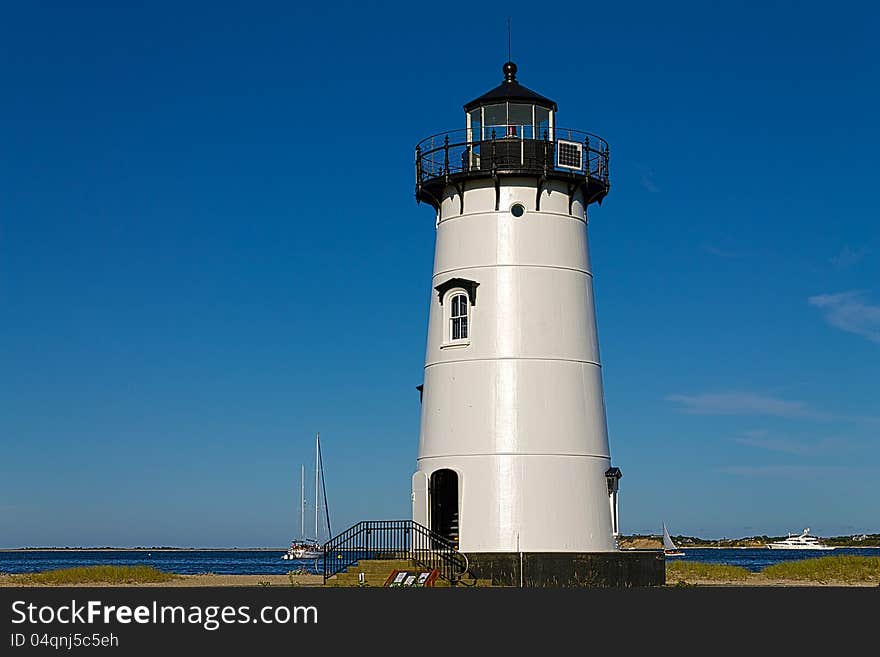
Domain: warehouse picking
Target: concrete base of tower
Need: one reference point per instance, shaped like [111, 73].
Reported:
[627, 568]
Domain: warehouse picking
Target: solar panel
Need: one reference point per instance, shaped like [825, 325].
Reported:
[569, 154]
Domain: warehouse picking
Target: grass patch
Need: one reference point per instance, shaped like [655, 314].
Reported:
[844, 568]
[697, 570]
[97, 574]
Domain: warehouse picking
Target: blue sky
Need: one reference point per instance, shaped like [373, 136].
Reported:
[199, 204]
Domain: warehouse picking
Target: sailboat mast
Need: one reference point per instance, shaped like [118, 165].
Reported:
[317, 438]
[302, 501]
[324, 493]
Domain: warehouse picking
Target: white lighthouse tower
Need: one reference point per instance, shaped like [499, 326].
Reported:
[513, 449]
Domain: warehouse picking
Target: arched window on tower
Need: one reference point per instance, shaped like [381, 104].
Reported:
[458, 298]
[459, 314]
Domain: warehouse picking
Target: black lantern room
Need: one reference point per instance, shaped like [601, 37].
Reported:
[510, 110]
[511, 131]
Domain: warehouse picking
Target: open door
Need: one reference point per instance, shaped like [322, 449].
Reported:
[444, 504]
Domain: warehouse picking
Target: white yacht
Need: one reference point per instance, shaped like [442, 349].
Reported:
[302, 550]
[309, 548]
[800, 542]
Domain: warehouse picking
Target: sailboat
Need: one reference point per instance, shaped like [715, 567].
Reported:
[670, 549]
[310, 548]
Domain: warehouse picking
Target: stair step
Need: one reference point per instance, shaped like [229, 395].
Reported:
[377, 571]
[379, 579]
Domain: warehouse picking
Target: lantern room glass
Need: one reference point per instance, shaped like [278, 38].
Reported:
[520, 120]
[509, 120]
[495, 120]
[475, 125]
[542, 122]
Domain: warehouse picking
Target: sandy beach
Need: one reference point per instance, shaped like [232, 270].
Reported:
[196, 580]
[280, 581]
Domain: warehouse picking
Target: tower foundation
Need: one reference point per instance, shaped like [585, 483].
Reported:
[626, 568]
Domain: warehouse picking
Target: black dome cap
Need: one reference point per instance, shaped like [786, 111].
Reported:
[512, 90]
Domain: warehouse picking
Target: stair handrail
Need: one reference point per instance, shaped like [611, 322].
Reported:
[408, 539]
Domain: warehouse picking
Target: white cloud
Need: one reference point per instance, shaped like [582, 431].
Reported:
[784, 445]
[762, 439]
[720, 252]
[799, 472]
[741, 403]
[648, 182]
[849, 312]
[646, 179]
[847, 257]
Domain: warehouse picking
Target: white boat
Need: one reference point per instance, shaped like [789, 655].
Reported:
[670, 549]
[800, 542]
[302, 550]
[309, 548]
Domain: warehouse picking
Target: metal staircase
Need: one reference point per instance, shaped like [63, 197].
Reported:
[394, 539]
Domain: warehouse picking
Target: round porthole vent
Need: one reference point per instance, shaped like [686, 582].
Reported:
[517, 209]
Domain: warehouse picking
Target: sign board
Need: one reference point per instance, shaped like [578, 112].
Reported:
[412, 578]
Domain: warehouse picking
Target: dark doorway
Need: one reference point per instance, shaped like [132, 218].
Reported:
[444, 504]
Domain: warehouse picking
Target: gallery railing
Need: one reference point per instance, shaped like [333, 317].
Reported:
[512, 149]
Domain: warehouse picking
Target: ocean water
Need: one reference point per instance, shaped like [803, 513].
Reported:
[755, 559]
[184, 562]
[266, 562]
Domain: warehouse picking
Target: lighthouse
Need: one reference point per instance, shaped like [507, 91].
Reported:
[513, 452]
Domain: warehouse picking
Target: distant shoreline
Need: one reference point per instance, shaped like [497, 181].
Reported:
[281, 549]
[142, 549]
[756, 547]
[685, 548]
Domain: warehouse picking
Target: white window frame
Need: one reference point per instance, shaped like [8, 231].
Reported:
[449, 319]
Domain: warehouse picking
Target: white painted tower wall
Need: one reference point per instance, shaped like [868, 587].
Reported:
[517, 412]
